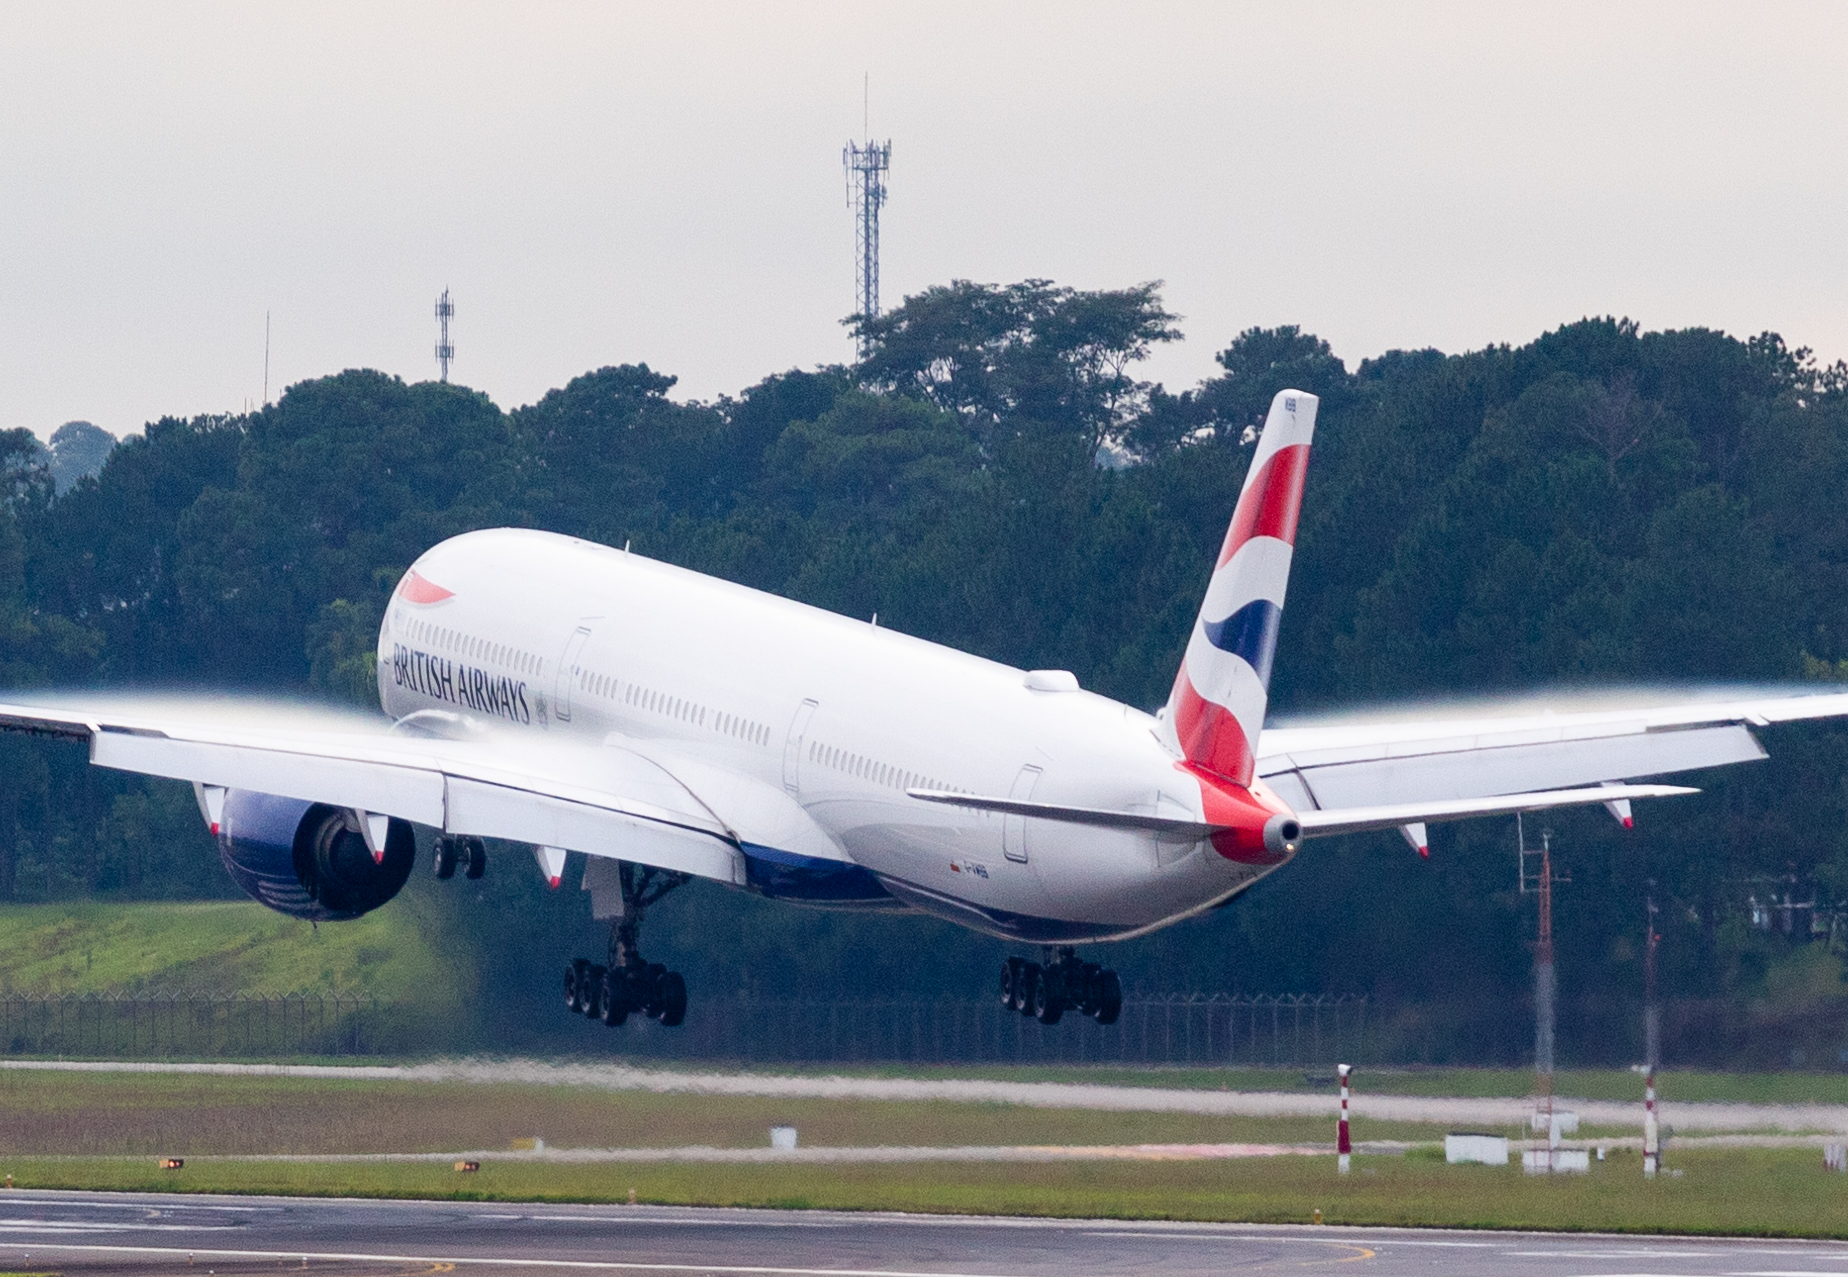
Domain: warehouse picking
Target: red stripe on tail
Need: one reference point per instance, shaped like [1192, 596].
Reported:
[1210, 735]
[1271, 502]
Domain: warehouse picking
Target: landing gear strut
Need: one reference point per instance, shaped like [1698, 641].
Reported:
[1063, 983]
[629, 984]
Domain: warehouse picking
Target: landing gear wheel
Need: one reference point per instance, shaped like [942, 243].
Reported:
[612, 998]
[474, 858]
[1109, 998]
[1047, 1005]
[590, 991]
[629, 984]
[577, 989]
[673, 999]
[443, 858]
[1025, 979]
[1063, 983]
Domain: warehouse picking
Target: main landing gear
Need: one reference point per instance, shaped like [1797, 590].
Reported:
[629, 984]
[1062, 984]
[468, 853]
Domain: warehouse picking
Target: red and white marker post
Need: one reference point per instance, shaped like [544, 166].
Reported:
[1652, 1145]
[1343, 1147]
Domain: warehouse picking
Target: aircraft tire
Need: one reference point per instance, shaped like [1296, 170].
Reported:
[1109, 998]
[1047, 1005]
[612, 999]
[1010, 972]
[443, 859]
[673, 993]
[575, 971]
[590, 983]
[1025, 978]
[475, 859]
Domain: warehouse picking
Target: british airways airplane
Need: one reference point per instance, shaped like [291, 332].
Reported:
[667, 725]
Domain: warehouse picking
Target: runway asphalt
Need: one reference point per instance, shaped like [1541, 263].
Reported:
[80, 1234]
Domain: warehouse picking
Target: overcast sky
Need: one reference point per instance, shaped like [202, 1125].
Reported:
[606, 183]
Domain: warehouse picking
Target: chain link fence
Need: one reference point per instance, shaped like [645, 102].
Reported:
[196, 1025]
[1288, 1031]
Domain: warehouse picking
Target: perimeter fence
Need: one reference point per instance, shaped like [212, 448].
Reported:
[1283, 1031]
[1304, 1031]
[139, 1026]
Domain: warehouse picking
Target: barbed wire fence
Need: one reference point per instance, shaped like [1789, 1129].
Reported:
[1274, 1031]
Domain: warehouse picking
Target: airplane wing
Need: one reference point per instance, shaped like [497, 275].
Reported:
[608, 801]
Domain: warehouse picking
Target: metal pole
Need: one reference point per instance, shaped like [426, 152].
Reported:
[1652, 1144]
[1343, 1148]
[1652, 1011]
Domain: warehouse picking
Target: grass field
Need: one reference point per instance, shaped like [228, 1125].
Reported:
[181, 1115]
[219, 947]
[1754, 1193]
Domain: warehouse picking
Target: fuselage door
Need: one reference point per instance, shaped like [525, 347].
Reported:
[568, 672]
[1014, 828]
[792, 748]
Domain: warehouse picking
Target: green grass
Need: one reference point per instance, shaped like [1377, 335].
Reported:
[1753, 1193]
[220, 948]
[46, 1113]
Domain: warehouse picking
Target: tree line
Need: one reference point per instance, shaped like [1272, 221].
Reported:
[1601, 507]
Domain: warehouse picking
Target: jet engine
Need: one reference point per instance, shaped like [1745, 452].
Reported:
[310, 860]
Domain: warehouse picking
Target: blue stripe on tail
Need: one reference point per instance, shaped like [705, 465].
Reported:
[1250, 634]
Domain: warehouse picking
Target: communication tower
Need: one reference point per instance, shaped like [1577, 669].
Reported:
[866, 166]
[445, 349]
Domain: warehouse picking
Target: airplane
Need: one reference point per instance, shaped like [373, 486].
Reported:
[667, 725]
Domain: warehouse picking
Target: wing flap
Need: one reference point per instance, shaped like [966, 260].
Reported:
[496, 811]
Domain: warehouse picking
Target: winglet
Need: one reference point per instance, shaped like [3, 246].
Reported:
[1414, 833]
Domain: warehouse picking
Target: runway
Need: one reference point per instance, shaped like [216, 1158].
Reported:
[104, 1234]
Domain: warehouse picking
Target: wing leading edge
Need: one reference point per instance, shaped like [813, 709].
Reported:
[610, 802]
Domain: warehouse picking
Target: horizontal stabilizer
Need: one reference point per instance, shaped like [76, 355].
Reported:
[1354, 820]
[1173, 828]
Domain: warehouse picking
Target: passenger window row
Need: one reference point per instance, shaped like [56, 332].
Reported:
[685, 711]
[472, 647]
[872, 769]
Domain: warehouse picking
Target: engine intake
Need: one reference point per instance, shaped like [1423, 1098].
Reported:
[310, 860]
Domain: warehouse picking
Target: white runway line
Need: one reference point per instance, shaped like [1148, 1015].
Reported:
[593, 1265]
[1444, 1110]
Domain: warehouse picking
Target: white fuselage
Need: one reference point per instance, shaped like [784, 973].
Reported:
[570, 640]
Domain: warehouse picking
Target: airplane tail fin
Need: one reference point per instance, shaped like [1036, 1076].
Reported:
[1217, 707]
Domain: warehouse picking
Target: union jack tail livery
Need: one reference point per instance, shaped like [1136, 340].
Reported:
[1217, 707]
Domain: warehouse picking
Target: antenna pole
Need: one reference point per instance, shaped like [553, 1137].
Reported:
[445, 349]
[867, 165]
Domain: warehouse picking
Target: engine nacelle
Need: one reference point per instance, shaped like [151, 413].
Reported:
[310, 860]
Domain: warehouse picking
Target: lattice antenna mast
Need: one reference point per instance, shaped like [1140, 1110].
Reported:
[445, 349]
[867, 164]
